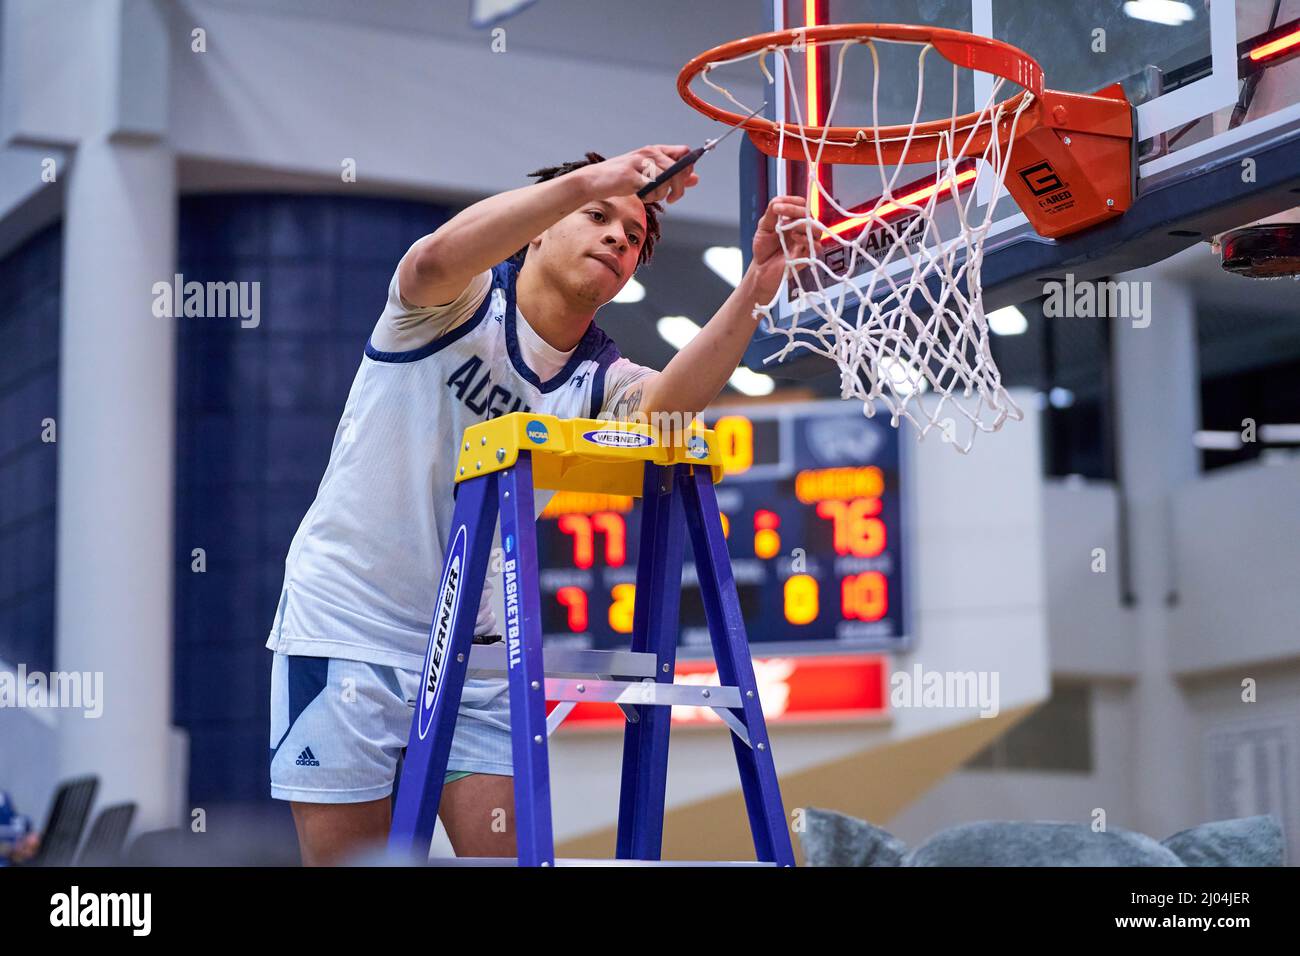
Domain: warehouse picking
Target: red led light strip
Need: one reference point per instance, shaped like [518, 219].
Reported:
[914, 198]
[814, 105]
[1273, 47]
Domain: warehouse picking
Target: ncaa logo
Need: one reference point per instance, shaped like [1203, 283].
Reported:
[536, 432]
[444, 615]
[697, 448]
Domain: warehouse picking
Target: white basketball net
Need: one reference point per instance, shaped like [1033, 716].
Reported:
[914, 339]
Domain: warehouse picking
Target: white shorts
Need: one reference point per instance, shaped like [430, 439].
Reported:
[338, 727]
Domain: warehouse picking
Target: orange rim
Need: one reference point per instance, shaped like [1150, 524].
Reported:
[958, 47]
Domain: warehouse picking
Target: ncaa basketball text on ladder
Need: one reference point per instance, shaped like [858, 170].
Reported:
[499, 464]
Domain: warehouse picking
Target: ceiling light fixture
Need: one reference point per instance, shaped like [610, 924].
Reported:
[1170, 13]
[726, 262]
[1008, 321]
[632, 292]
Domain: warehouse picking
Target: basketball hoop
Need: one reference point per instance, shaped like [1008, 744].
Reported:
[909, 330]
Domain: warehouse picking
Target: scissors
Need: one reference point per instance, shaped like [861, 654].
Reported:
[690, 158]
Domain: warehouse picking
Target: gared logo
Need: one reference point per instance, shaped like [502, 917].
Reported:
[1041, 178]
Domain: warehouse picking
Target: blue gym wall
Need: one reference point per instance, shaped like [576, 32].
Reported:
[29, 393]
[256, 413]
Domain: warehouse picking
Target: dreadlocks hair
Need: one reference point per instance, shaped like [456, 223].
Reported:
[652, 209]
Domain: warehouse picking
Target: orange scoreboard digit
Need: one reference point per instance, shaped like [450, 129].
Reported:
[812, 508]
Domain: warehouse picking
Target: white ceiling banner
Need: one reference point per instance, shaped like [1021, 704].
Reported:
[486, 13]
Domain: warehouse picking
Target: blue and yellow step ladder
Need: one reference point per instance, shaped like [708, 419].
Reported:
[499, 463]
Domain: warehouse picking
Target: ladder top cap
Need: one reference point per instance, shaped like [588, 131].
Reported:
[582, 454]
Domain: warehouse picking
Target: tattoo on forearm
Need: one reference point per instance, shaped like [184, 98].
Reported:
[628, 405]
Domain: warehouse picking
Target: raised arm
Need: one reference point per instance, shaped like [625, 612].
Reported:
[696, 374]
[439, 266]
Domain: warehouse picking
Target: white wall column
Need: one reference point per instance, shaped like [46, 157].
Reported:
[1158, 409]
[116, 427]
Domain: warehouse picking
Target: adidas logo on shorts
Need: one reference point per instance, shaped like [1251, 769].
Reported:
[307, 759]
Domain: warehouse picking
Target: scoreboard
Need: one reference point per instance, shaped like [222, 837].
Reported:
[813, 512]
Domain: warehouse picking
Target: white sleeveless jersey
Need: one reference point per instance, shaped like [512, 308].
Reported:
[363, 569]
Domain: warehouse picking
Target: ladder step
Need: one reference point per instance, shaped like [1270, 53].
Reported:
[490, 659]
[642, 692]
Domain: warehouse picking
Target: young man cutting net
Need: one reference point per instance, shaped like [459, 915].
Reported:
[491, 313]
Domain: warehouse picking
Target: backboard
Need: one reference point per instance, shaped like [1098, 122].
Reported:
[1204, 165]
